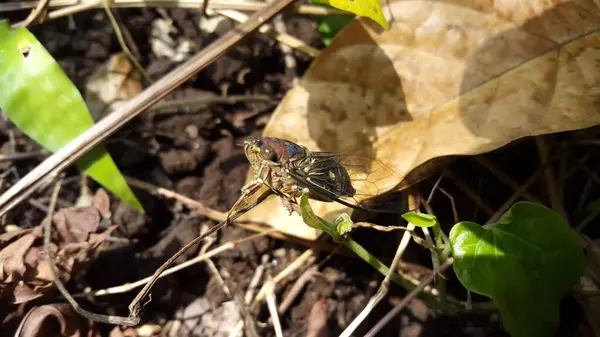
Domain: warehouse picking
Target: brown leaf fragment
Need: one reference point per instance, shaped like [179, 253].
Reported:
[25, 274]
[317, 320]
[102, 203]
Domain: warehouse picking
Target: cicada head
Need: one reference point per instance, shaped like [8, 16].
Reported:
[252, 147]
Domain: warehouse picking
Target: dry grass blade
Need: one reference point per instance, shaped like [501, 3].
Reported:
[35, 14]
[110, 124]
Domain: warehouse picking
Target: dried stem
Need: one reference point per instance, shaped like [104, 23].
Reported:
[469, 192]
[272, 306]
[122, 42]
[503, 177]
[244, 203]
[34, 16]
[282, 37]
[385, 284]
[203, 257]
[555, 198]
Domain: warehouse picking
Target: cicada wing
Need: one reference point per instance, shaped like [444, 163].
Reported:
[361, 179]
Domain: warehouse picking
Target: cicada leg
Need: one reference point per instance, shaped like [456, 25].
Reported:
[290, 193]
[259, 179]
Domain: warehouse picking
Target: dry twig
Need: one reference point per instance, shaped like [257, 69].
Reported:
[35, 15]
[384, 287]
[272, 306]
[203, 257]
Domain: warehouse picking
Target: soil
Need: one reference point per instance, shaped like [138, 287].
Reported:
[193, 151]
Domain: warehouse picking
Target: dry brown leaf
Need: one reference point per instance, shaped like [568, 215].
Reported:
[25, 275]
[451, 77]
[38, 321]
[113, 84]
[101, 201]
[317, 320]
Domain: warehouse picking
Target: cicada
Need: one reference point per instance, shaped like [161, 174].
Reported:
[291, 170]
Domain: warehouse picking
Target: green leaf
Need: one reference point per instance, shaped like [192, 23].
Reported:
[312, 220]
[526, 263]
[343, 224]
[420, 219]
[367, 8]
[38, 97]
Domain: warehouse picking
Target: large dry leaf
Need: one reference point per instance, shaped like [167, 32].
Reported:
[451, 77]
[25, 274]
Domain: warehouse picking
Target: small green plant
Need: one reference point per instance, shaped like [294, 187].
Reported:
[526, 262]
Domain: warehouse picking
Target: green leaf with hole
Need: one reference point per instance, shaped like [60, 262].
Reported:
[526, 262]
[367, 8]
[38, 97]
[420, 219]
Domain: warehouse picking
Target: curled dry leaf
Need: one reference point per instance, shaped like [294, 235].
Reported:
[25, 275]
[449, 78]
[39, 321]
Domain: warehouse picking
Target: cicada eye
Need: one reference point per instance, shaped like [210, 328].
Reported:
[267, 153]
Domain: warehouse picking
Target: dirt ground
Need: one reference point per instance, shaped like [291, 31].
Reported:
[193, 151]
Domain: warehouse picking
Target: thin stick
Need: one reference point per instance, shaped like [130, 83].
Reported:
[70, 10]
[130, 286]
[414, 293]
[503, 177]
[272, 306]
[555, 198]
[299, 262]
[282, 37]
[22, 155]
[243, 204]
[469, 192]
[122, 43]
[189, 202]
[296, 289]
[288, 57]
[258, 273]
[385, 284]
[249, 322]
[113, 121]
[240, 5]
[233, 99]
[34, 15]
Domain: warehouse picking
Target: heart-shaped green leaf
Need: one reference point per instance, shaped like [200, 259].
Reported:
[38, 97]
[526, 263]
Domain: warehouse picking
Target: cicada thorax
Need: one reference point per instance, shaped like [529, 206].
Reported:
[285, 149]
